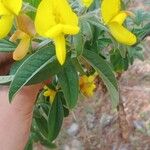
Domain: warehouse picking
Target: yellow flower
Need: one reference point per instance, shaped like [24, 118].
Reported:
[87, 85]
[113, 17]
[87, 3]
[55, 19]
[49, 93]
[8, 10]
[25, 32]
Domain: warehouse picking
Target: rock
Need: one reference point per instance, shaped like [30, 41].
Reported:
[73, 129]
[105, 120]
[139, 125]
[66, 147]
[76, 145]
[90, 120]
[73, 145]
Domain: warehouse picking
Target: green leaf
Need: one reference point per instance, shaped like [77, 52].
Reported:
[86, 30]
[66, 110]
[104, 42]
[16, 65]
[78, 66]
[84, 35]
[119, 63]
[42, 75]
[141, 16]
[4, 80]
[45, 73]
[48, 144]
[41, 123]
[78, 43]
[143, 33]
[31, 67]
[7, 46]
[94, 20]
[68, 79]
[34, 3]
[105, 73]
[55, 118]
[29, 145]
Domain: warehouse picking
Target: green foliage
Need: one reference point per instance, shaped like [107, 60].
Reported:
[69, 82]
[119, 63]
[105, 73]
[7, 46]
[30, 68]
[55, 118]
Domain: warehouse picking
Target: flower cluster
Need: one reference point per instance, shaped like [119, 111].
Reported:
[113, 17]
[55, 19]
[49, 93]
[87, 85]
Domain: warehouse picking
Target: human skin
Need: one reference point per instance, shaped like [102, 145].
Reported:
[15, 117]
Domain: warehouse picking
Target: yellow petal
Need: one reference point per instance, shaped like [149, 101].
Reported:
[6, 23]
[121, 34]
[58, 14]
[70, 29]
[60, 28]
[3, 10]
[83, 79]
[18, 34]
[13, 6]
[54, 31]
[44, 19]
[109, 9]
[52, 97]
[91, 79]
[22, 49]
[47, 93]
[60, 47]
[64, 13]
[87, 3]
[120, 18]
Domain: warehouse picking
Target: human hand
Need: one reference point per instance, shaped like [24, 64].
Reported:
[15, 118]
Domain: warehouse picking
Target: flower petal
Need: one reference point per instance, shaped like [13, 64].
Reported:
[60, 47]
[109, 9]
[70, 29]
[47, 93]
[13, 5]
[23, 48]
[121, 34]
[45, 18]
[3, 10]
[59, 18]
[6, 23]
[63, 9]
[59, 29]
[120, 18]
[54, 31]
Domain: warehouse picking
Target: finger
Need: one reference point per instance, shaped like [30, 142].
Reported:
[24, 100]
[5, 63]
[5, 57]
[16, 117]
